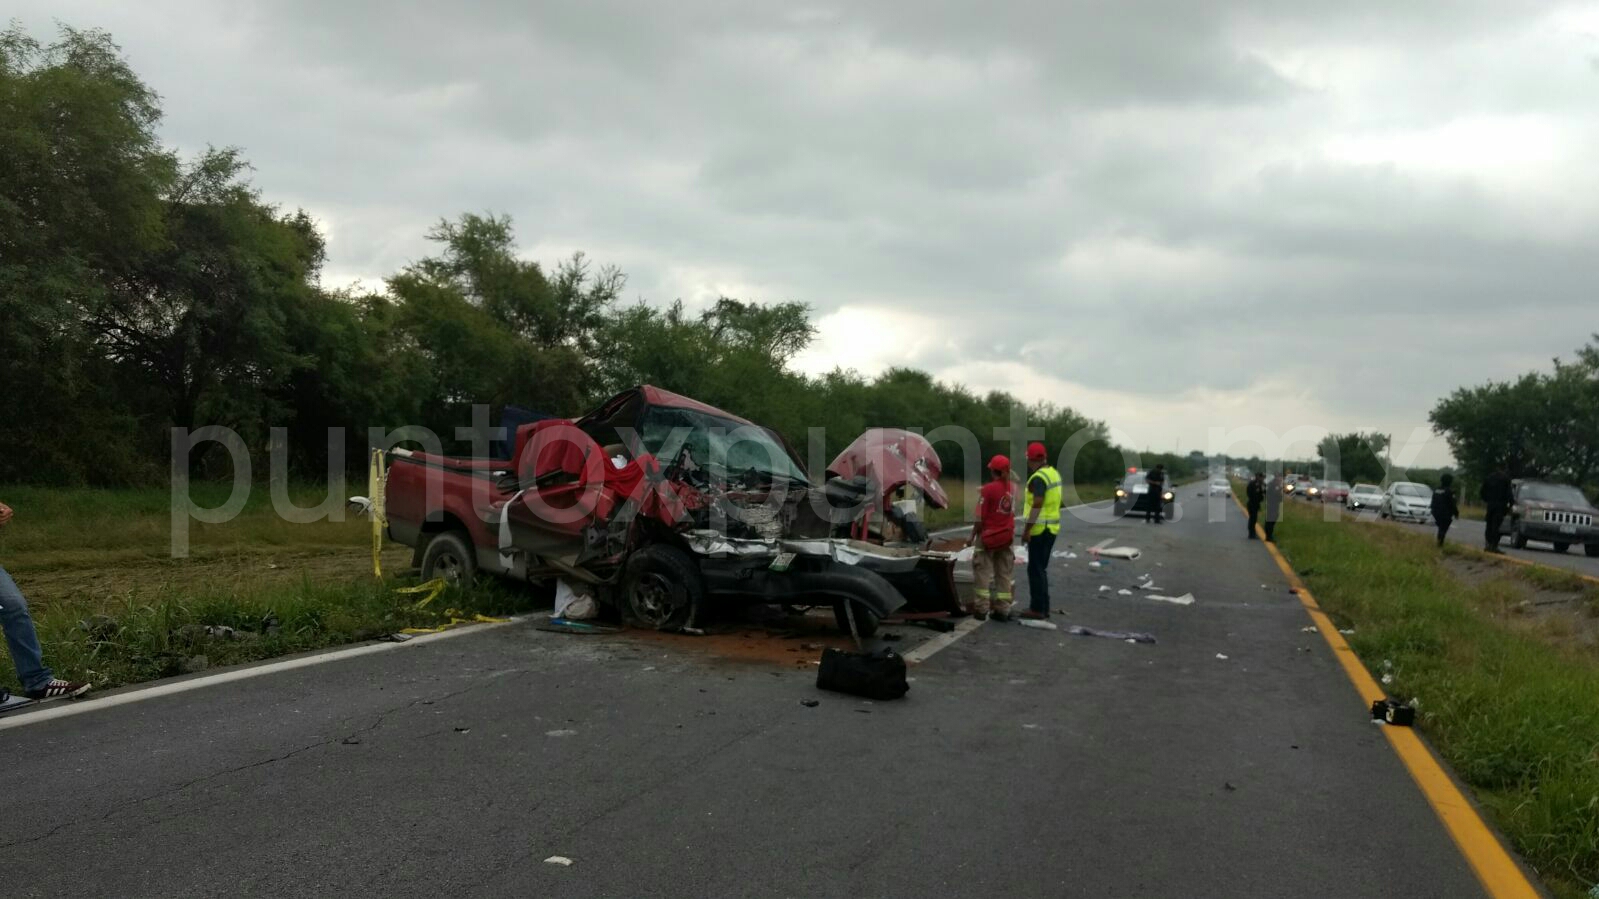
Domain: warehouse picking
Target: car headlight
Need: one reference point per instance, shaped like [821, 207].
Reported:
[1314, 491]
[1120, 493]
[1167, 496]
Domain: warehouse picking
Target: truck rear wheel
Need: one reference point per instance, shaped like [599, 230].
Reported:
[449, 556]
[662, 588]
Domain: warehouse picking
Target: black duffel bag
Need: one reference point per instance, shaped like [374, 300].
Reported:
[874, 675]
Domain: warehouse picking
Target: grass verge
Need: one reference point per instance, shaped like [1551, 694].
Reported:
[1515, 715]
[963, 497]
[113, 607]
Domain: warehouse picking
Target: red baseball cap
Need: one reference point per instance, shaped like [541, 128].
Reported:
[1036, 451]
[999, 463]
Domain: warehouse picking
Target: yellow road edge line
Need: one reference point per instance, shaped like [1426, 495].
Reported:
[1496, 870]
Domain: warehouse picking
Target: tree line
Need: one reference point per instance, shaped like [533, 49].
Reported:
[141, 291]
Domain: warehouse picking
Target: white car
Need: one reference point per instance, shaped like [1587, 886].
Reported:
[1220, 487]
[1407, 501]
[1364, 496]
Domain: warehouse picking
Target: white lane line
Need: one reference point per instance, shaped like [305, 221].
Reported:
[925, 651]
[62, 708]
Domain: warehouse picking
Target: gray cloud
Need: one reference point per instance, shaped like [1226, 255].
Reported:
[1245, 194]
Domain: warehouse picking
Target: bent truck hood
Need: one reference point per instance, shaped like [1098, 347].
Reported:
[893, 458]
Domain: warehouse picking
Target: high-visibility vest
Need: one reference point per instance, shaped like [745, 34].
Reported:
[1049, 512]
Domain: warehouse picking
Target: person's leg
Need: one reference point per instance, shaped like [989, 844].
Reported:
[21, 638]
[1004, 581]
[1443, 529]
[1254, 518]
[1160, 504]
[1490, 527]
[1270, 526]
[1038, 549]
[982, 581]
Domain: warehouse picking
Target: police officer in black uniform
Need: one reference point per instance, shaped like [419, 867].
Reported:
[1496, 496]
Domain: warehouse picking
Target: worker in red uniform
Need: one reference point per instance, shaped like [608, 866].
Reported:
[993, 559]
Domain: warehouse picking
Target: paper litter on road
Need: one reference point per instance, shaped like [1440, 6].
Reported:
[1308, 629]
[1187, 599]
[1124, 592]
[558, 860]
[1041, 625]
[1128, 636]
[1104, 588]
[1148, 585]
[1346, 630]
[1387, 679]
[1120, 552]
[1096, 564]
[1221, 656]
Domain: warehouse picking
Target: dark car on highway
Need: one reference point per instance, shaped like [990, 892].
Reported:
[1557, 513]
[1133, 495]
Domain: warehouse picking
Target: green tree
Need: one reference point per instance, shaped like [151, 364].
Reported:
[1355, 457]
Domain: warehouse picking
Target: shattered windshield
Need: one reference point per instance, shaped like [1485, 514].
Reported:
[719, 445]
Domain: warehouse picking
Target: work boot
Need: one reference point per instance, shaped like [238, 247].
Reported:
[59, 689]
[983, 616]
[1000, 616]
[1034, 616]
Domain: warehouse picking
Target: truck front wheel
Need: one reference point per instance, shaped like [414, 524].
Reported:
[662, 588]
[449, 556]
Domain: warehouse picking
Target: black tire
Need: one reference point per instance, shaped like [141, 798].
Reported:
[449, 555]
[662, 588]
[865, 619]
[1591, 549]
[1562, 547]
[1518, 540]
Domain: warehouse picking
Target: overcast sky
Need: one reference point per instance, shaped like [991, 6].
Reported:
[1171, 218]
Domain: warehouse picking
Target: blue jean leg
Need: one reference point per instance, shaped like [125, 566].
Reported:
[1039, 547]
[21, 639]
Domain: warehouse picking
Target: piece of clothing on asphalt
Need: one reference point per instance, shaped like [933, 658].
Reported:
[1444, 507]
[996, 515]
[993, 579]
[1038, 550]
[21, 638]
[1130, 636]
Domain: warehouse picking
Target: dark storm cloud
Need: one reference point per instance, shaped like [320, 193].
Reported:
[1248, 193]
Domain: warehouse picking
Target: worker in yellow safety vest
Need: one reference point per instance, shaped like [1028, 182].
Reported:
[1041, 507]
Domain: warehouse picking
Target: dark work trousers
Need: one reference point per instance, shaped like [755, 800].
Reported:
[1254, 518]
[1039, 546]
[1270, 526]
[1495, 520]
[1443, 528]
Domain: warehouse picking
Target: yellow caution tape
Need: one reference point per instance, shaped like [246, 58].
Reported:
[432, 588]
[454, 622]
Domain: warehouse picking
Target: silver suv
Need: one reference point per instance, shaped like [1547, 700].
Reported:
[1557, 513]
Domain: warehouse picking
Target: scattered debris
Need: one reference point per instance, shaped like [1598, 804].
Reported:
[1029, 727]
[876, 675]
[396, 638]
[1129, 636]
[463, 730]
[1221, 656]
[1389, 711]
[1119, 552]
[1346, 630]
[691, 631]
[1228, 786]
[1104, 588]
[574, 602]
[563, 626]
[561, 860]
[1187, 599]
[560, 733]
[1124, 592]
[890, 638]
[810, 703]
[1387, 679]
[1034, 622]
[351, 741]
[1308, 629]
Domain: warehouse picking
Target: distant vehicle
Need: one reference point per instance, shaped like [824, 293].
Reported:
[1314, 490]
[1220, 487]
[1335, 492]
[1133, 495]
[1557, 513]
[1364, 496]
[1407, 501]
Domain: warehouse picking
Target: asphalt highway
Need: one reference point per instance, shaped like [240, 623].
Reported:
[1231, 758]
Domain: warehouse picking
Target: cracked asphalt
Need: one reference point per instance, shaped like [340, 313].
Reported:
[1024, 762]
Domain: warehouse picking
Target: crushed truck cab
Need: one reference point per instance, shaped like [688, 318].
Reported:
[669, 508]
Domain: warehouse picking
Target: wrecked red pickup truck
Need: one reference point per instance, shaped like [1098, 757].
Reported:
[670, 509]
